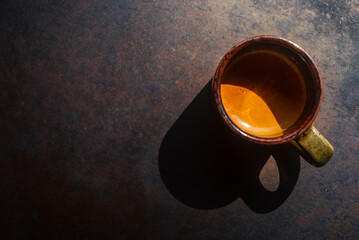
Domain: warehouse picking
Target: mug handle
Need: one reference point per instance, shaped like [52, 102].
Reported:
[313, 147]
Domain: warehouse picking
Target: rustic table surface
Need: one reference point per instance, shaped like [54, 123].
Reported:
[108, 132]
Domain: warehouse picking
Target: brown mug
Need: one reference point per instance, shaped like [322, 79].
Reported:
[268, 90]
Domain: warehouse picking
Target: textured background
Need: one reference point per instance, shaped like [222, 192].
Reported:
[89, 90]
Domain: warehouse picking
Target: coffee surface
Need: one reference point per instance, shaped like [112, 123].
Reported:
[263, 92]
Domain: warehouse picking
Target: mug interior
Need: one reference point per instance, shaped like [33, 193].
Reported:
[294, 54]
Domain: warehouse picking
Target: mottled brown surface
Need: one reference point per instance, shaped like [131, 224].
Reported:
[90, 90]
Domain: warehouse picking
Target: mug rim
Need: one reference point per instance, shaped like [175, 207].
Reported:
[226, 59]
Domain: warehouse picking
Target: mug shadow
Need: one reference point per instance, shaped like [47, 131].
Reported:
[205, 165]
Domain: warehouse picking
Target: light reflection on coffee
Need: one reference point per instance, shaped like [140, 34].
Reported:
[263, 92]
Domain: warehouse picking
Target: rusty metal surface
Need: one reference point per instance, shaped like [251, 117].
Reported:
[107, 130]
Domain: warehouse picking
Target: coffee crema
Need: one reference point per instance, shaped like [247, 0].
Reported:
[263, 92]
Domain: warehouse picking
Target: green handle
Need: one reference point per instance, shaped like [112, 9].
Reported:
[313, 147]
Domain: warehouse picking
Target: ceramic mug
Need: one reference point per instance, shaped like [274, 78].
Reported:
[268, 90]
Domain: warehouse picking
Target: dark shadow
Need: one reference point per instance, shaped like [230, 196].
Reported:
[205, 165]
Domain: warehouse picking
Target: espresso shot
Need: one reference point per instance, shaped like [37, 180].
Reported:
[264, 90]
